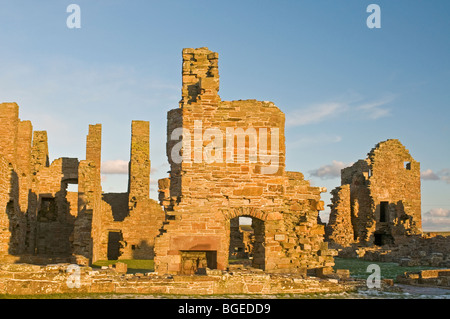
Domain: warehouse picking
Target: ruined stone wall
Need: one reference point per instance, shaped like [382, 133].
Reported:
[396, 179]
[9, 215]
[339, 229]
[384, 203]
[361, 203]
[39, 153]
[431, 277]
[22, 279]
[54, 221]
[15, 179]
[9, 121]
[139, 172]
[138, 228]
[34, 210]
[133, 214]
[304, 246]
[213, 184]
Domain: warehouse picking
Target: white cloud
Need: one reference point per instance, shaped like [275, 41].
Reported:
[429, 175]
[351, 103]
[374, 109]
[329, 171]
[115, 167]
[315, 114]
[436, 219]
[438, 212]
[443, 174]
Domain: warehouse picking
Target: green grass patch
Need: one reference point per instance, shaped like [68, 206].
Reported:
[134, 265]
[389, 270]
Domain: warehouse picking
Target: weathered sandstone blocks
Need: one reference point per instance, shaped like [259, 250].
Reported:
[139, 172]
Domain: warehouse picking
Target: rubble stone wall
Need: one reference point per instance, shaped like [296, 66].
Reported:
[21, 279]
[40, 218]
[384, 201]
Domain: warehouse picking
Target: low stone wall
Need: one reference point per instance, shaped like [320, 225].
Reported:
[411, 251]
[434, 277]
[24, 279]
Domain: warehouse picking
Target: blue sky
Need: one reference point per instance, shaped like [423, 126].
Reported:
[343, 87]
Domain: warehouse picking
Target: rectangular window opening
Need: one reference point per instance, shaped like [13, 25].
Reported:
[384, 211]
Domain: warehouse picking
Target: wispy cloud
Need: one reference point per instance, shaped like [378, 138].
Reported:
[443, 174]
[115, 167]
[316, 113]
[354, 103]
[436, 219]
[376, 109]
[329, 171]
[429, 175]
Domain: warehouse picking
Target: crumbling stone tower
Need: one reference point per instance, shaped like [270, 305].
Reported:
[227, 160]
[116, 225]
[379, 199]
[41, 221]
[36, 210]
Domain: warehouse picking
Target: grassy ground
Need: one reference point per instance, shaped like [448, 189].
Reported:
[358, 268]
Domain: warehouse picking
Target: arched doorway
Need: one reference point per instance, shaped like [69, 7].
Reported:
[246, 242]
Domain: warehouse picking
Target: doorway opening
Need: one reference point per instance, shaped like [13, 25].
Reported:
[384, 211]
[381, 239]
[115, 239]
[247, 237]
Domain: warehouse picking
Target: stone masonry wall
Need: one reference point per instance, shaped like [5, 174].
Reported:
[384, 202]
[213, 184]
[339, 229]
[134, 215]
[22, 279]
[40, 219]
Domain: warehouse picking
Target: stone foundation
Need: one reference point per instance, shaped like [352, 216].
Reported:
[23, 279]
[435, 277]
[409, 252]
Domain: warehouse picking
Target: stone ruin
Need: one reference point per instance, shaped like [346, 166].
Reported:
[203, 200]
[43, 222]
[227, 163]
[376, 212]
[195, 225]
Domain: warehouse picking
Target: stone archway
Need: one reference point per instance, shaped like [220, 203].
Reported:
[244, 211]
[246, 244]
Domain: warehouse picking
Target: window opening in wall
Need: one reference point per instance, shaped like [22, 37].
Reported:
[72, 188]
[47, 211]
[384, 211]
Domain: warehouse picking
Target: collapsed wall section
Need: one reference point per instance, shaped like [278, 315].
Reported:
[384, 203]
[125, 224]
